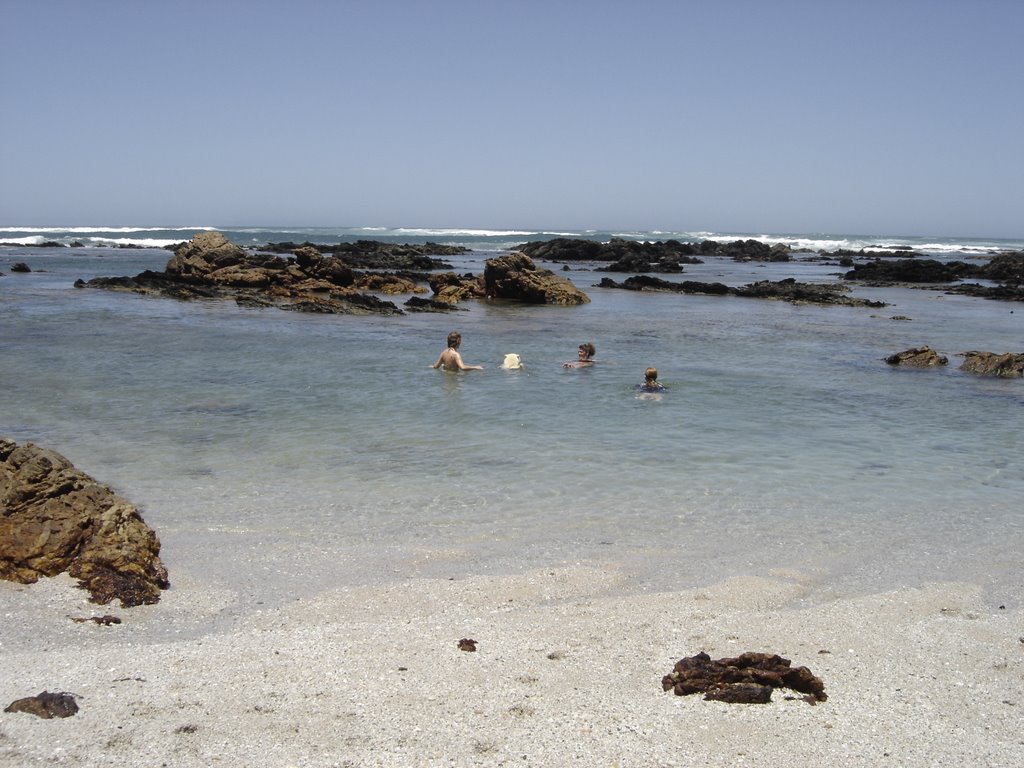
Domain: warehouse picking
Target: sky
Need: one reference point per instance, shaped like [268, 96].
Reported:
[887, 118]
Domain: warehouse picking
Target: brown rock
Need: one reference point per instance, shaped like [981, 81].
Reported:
[741, 679]
[45, 705]
[917, 357]
[516, 277]
[1007, 365]
[55, 518]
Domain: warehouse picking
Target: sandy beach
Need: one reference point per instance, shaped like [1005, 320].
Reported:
[567, 671]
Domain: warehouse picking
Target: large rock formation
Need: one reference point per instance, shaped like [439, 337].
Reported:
[516, 277]
[55, 518]
[910, 271]
[784, 290]
[625, 255]
[1007, 365]
[210, 266]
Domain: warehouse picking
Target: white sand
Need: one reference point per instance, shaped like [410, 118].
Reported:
[566, 674]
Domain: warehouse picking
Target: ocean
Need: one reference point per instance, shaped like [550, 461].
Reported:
[277, 453]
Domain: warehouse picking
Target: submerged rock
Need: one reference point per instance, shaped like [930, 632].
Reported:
[55, 518]
[748, 678]
[783, 290]
[1007, 365]
[917, 357]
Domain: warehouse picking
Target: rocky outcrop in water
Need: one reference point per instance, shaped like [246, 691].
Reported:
[917, 357]
[625, 255]
[636, 256]
[516, 277]
[880, 272]
[375, 254]
[55, 518]
[1008, 365]
[451, 288]
[209, 266]
[783, 290]
[749, 678]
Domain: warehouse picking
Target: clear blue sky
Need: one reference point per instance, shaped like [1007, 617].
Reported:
[857, 117]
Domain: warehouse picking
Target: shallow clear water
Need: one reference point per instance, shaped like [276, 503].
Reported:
[278, 452]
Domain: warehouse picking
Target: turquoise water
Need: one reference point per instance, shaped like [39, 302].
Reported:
[277, 453]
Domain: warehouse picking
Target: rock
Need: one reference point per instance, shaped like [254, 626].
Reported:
[516, 277]
[1007, 365]
[204, 253]
[466, 644]
[45, 705]
[1007, 267]
[625, 255]
[55, 518]
[917, 357]
[416, 304]
[451, 288]
[20, 266]
[783, 290]
[741, 679]
[910, 271]
[209, 266]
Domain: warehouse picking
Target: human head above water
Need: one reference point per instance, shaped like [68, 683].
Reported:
[587, 350]
[651, 374]
[454, 339]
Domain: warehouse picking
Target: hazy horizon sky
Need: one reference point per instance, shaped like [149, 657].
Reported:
[869, 117]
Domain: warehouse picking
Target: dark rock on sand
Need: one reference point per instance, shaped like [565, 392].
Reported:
[210, 266]
[917, 357]
[466, 644]
[55, 518]
[516, 277]
[45, 705]
[741, 679]
[783, 290]
[1008, 365]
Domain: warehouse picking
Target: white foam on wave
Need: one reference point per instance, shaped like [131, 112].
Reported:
[475, 232]
[91, 230]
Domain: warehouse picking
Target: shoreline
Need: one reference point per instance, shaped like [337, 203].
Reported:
[566, 672]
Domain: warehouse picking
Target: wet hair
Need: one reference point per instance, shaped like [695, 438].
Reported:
[589, 349]
[651, 374]
[454, 339]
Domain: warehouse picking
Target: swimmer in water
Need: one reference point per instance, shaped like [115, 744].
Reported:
[450, 359]
[586, 356]
[651, 383]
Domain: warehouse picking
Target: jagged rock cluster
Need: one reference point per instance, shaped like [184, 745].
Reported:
[747, 679]
[55, 518]
[210, 266]
[783, 290]
[1007, 365]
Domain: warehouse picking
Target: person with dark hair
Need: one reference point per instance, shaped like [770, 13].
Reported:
[586, 356]
[450, 359]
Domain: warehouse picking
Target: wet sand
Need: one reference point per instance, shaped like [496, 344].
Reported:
[567, 671]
